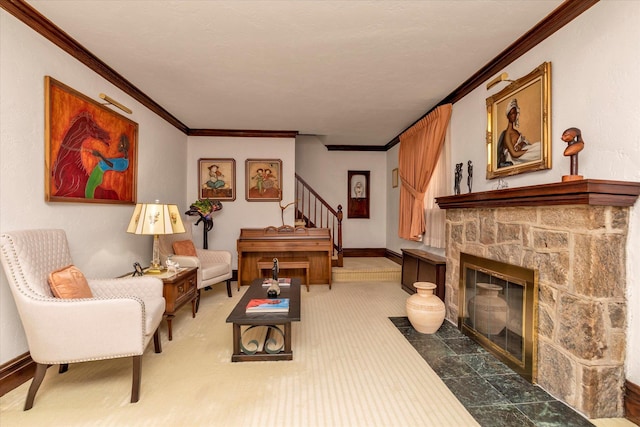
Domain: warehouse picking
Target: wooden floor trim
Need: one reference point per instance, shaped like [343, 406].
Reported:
[16, 372]
[632, 402]
[364, 252]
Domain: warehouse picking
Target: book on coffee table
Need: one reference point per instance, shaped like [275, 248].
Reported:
[268, 305]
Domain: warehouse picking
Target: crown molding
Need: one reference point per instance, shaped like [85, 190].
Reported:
[356, 148]
[557, 19]
[54, 34]
[244, 133]
[561, 16]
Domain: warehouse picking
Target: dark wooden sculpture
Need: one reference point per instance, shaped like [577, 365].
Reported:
[575, 144]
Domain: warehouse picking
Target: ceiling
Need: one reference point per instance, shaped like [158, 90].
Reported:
[350, 72]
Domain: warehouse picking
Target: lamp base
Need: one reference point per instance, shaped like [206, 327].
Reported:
[155, 269]
[155, 266]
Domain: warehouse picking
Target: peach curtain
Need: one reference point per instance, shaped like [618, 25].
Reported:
[420, 148]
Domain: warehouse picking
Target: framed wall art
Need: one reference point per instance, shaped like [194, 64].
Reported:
[519, 125]
[394, 178]
[263, 180]
[217, 179]
[358, 191]
[90, 150]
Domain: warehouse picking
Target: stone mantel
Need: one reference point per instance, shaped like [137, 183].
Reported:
[574, 235]
[582, 192]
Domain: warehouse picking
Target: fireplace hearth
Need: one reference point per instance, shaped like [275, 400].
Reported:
[574, 236]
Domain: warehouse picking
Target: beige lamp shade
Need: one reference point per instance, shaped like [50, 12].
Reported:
[155, 219]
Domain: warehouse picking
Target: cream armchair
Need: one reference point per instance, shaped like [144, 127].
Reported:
[214, 266]
[118, 321]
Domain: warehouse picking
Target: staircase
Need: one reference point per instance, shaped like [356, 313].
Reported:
[313, 211]
[367, 269]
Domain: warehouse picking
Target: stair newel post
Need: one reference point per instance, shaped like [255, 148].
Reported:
[339, 217]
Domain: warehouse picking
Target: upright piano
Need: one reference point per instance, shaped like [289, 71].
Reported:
[285, 242]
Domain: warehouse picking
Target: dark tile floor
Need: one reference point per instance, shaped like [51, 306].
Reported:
[492, 393]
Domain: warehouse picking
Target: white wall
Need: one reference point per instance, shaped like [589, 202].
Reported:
[327, 171]
[241, 213]
[595, 86]
[97, 234]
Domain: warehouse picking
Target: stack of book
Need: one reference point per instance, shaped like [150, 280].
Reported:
[268, 305]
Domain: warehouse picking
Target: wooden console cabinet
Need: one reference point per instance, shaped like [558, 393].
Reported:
[421, 266]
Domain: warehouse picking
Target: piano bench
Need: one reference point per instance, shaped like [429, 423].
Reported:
[285, 264]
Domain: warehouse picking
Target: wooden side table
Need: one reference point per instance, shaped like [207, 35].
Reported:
[179, 289]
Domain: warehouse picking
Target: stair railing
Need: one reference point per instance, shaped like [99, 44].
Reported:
[316, 212]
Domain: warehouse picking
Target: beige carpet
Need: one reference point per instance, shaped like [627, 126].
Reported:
[351, 367]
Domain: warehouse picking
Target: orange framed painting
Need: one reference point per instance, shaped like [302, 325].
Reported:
[90, 150]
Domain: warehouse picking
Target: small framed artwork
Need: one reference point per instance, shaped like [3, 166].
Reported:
[519, 125]
[394, 178]
[217, 179]
[263, 180]
[358, 191]
[91, 152]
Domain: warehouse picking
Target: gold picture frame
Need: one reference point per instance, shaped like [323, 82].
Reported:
[519, 125]
[91, 152]
[394, 178]
[263, 181]
[217, 179]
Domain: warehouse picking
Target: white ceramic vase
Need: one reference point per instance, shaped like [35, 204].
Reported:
[487, 311]
[425, 311]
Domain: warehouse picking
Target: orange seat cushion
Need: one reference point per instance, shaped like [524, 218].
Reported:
[69, 282]
[184, 247]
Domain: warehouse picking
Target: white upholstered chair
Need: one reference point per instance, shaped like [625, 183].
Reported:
[214, 266]
[118, 321]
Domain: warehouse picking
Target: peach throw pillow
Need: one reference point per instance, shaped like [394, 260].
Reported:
[184, 247]
[69, 282]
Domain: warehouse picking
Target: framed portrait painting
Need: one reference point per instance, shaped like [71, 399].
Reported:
[217, 179]
[359, 195]
[519, 125]
[263, 180]
[90, 150]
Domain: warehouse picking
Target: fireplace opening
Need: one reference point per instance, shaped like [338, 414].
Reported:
[498, 309]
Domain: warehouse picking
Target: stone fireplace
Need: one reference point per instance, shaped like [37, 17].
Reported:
[574, 235]
[497, 307]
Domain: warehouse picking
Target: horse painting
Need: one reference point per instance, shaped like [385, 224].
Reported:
[91, 152]
[69, 175]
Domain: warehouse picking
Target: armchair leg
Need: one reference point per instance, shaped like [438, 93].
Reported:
[41, 370]
[229, 287]
[64, 367]
[157, 344]
[137, 375]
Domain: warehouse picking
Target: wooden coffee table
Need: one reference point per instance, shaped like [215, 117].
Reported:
[277, 343]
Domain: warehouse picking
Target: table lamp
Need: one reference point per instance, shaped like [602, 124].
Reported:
[155, 219]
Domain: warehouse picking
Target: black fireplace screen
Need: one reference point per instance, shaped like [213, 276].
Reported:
[498, 309]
